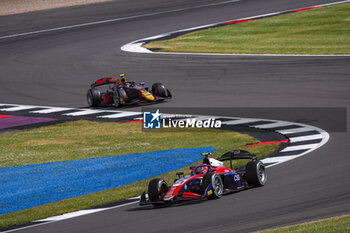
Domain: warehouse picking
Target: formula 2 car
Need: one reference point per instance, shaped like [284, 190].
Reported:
[209, 180]
[119, 92]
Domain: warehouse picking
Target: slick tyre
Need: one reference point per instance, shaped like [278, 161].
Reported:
[93, 97]
[119, 97]
[256, 174]
[116, 98]
[157, 189]
[216, 183]
[158, 89]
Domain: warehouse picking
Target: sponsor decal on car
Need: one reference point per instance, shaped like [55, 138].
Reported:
[167, 196]
[236, 178]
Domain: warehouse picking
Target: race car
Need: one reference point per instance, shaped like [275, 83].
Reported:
[118, 92]
[208, 180]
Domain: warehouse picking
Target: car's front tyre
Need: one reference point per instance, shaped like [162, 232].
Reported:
[216, 183]
[158, 89]
[157, 188]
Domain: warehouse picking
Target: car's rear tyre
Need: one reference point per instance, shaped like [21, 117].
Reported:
[93, 97]
[116, 98]
[119, 97]
[158, 89]
[256, 174]
[157, 189]
[215, 181]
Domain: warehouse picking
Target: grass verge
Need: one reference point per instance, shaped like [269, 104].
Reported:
[335, 224]
[323, 30]
[85, 139]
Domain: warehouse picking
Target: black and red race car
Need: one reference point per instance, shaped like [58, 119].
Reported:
[118, 92]
[209, 180]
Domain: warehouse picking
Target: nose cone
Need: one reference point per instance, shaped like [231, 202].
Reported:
[148, 96]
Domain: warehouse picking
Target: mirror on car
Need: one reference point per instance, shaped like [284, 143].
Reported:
[179, 174]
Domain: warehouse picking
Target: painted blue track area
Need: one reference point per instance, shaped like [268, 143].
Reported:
[28, 186]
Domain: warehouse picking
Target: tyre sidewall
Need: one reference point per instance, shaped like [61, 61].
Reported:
[158, 89]
[210, 179]
[154, 189]
[89, 99]
[93, 97]
[217, 192]
[116, 98]
[252, 173]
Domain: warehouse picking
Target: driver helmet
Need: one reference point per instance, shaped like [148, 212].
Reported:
[122, 78]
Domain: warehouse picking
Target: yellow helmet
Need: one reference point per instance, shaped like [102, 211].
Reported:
[122, 78]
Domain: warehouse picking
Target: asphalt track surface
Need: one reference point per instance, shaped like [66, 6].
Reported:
[55, 69]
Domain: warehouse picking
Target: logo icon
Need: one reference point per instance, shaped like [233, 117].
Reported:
[151, 120]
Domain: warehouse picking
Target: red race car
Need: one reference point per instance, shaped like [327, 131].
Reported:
[208, 180]
[120, 92]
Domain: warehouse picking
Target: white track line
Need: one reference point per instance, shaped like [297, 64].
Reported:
[50, 110]
[240, 121]
[17, 108]
[291, 131]
[301, 147]
[64, 218]
[84, 112]
[71, 215]
[278, 159]
[77, 111]
[120, 115]
[305, 138]
[272, 125]
[111, 20]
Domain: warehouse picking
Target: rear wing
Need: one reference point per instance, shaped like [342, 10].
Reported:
[231, 155]
[237, 154]
[103, 81]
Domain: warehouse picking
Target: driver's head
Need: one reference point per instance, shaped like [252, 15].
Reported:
[122, 78]
[201, 170]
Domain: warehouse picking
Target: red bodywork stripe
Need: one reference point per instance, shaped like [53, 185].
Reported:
[265, 143]
[191, 195]
[5, 116]
[101, 81]
[105, 80]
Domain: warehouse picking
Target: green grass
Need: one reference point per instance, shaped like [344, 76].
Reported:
[84, 139]
[336, 225]
[318, 31]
